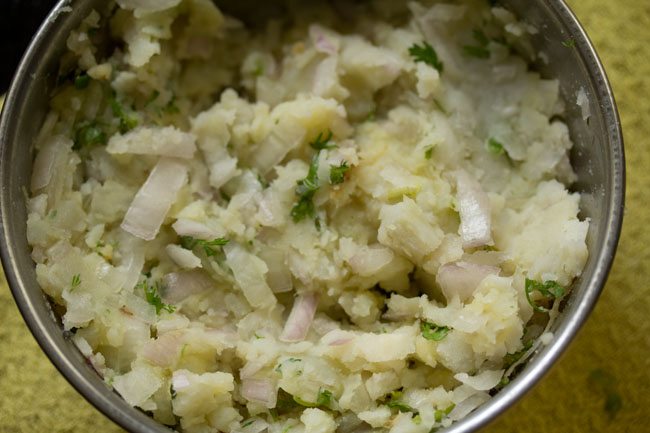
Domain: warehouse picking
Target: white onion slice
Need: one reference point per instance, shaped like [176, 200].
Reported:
[186, 259]
[154, 199]
[462, 278]
[47, 159]
[323, 43]
[260, 391]
[474, 209]
[187, 227]
[250, 274]
[164, 350]
[132, 259]
[167, 141]
[483, 381]
[300, 318]
[181, 285]
[463, 408]
[180, 380]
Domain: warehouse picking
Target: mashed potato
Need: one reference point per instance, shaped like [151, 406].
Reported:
[347, 218]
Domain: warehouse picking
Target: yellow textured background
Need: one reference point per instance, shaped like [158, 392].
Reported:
[35, 398]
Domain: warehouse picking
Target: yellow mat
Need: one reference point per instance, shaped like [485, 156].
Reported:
[601, 385]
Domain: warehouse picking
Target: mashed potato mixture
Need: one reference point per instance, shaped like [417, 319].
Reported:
[353, 217]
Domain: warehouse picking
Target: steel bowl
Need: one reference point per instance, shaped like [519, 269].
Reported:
[597, 158]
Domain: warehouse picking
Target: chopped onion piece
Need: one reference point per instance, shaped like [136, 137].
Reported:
[323, 43]
[47, 160]
[474, 209]
[180, 380]
[164, 350]
[300, 318]
[187, 227]
[260, 391]
[462, 278]
[154, 199]
[483, 381]
[250, 275]
[466, 406]
[184, 258]
[180, 285]
[167, 141]
[279, 276]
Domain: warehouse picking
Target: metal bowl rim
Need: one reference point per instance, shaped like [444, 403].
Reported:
[131, 420]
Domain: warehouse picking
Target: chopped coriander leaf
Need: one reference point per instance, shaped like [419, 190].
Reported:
[324, 399]
[431, 331]
[152, 295]
[76, 281]
[337, 174]
[428, 152]
[441, 413]
[417, 419]
[305, 191]
[478, 52]
[549, 289]
[569, 43]
[511, 358]
[248, 422]
[395, 403]
[154, 95]
[89, 135]
[209, 247]
[284, 404]
[495, 147]
[481, 38]
[127, 122]
[171, 107]
[321, 141]
[81, 81]
[317, 224]
[425, 53]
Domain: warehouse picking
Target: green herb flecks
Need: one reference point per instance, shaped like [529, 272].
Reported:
[394, 402]
[247, 422]
[76, 282]
[439, 414]
[89, 134]
[278, 367]
[605, 383]
[569, 43]
[337, 173]
[152, 295]
[211, 248]
[154, 95]
[434, 332]
[428, 152]
[425, 53]
[171, 107]
[322, 141]
[127, 120]
[480, 50]
[512, 358]
[548, 289]
[495, 147]
[305, 191]
[81, 81]
[323, 400]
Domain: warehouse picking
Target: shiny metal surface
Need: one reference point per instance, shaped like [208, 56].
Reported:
[597, 157]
